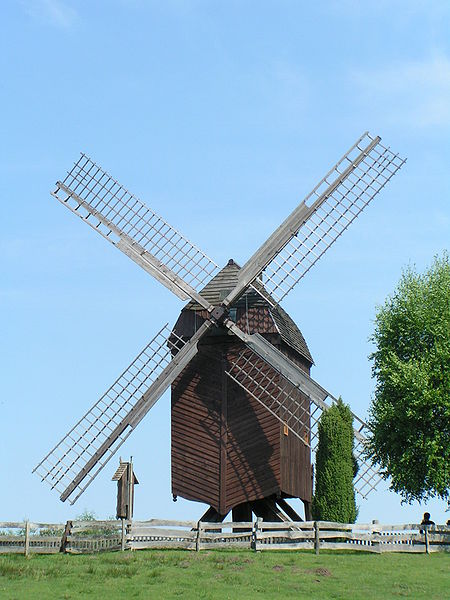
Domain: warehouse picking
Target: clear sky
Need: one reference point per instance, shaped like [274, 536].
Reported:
[221, 116]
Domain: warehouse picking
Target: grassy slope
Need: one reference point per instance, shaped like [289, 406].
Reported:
[225, 574]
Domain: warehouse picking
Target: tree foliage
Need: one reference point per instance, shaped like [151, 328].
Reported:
[410, 413]
[334, 498]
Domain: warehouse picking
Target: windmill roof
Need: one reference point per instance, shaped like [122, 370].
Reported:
[226, 280]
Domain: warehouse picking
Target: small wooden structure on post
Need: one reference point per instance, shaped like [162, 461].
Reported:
[126, 480]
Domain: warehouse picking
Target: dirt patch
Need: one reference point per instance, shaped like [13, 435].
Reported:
[320, 571]
[127, 557]
[232, 559]
[184, 564]
[278, 568]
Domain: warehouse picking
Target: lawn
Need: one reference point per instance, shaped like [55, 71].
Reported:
[225, 574]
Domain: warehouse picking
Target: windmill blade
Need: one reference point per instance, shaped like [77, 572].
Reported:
[320, 219]
[122, 219]
[286, 391]
[282, 399]
[78, 458]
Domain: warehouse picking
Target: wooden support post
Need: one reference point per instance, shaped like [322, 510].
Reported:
[223, 439]
[253, 538]
[307, 506]
[242, 513]
[427, 541]
[123, 537]
[198, 537]
[375, 531]
[66, 533]
[27, 538]
[256, 528]
[316, 537]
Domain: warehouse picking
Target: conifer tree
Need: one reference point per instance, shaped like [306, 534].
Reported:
[336, 467]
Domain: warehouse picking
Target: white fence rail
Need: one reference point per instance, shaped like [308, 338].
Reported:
[97, 536]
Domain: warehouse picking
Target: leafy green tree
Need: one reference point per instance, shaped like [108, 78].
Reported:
[96, 530]
[410, 413]
[334, 498]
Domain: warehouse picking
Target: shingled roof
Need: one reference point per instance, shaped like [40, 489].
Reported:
[123, 466]
[226, 280]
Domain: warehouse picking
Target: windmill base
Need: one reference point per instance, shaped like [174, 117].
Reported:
[269, 509]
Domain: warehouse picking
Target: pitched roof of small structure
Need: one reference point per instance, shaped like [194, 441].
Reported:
[121, 471]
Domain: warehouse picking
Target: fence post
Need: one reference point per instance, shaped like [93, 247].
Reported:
[316, 537]
[123, 537]
[66, 533]
[255, 530]
[198, 537]
[27, 538]
[375, 531]
[427, 541]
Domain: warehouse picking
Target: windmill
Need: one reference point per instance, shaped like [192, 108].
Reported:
[244, 407]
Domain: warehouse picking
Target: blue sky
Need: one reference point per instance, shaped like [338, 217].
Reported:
[221, 116]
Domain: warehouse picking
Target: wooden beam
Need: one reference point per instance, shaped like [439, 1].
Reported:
[223, 439]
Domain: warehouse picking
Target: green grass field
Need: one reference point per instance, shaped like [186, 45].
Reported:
[225, 574]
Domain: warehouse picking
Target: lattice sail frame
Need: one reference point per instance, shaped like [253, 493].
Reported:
[342, 205]
[110, 419]
[318, 221]
[126, 222]
[298, 410]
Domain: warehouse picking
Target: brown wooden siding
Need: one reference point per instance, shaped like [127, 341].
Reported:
[226, 447]
[195, 431]
[295, 455]
[295, 467]
[253, 457]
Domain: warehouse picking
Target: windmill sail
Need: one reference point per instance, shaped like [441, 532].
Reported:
[126, 222]
[278, 395]
[83, 452]
[264, 372]
[297, 406]
[320, 219]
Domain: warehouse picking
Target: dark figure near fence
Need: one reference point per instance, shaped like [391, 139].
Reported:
[426, 519]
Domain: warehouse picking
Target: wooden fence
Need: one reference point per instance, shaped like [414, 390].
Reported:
[191, 535]
[26, 537]
[50, 538]
[96, 536]
[376, 537]
[93, 536]
[292, 535]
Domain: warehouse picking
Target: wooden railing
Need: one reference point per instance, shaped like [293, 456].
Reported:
[292, 535]
[93, 536]
[374, 537]
[26, 537]
[97, 536]
[191, 535]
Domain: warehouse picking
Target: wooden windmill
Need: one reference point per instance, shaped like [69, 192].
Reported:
[244, 407]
